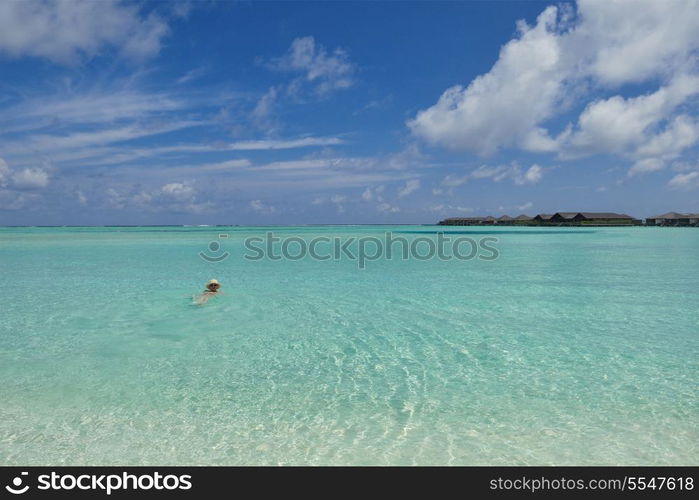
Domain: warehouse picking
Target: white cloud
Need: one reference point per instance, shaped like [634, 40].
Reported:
[260, 207]
[191, 75]
[172, 197]
[631, 41]
[646, 165]
[532, 175]
[525, 206]
[80, 197]
[180, 191]
[222, 165]
[182, 8]
[619, 125]
[387, 208]
[454, 180]
[273, 144]
[55, 144]
[30, 178]
[295, 165]
[685, 181]
[443, 208]
[261, 114]
[498, 109]
[370, 193]
[4, 172]
[681, 133]
[512, 171]
[322, 71]
[88, 108]
[66, 31]
[567, 58]
[339, 200]
[410, 187]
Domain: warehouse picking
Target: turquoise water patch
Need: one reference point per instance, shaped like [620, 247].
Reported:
[575, 346]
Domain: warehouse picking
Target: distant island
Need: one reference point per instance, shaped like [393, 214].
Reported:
[576, 219]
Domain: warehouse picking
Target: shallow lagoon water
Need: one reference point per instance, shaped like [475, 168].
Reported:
[575, 346]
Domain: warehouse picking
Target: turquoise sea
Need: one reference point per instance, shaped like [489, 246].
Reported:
[576, 346]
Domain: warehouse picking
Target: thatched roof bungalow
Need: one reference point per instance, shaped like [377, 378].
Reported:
[596, 218]
[673, 219]
[543, 217]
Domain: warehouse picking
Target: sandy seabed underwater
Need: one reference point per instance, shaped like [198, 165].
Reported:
[574, 347]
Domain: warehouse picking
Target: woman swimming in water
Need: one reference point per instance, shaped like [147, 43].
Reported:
[212, 288]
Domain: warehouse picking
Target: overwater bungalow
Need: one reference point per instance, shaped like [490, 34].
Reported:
[543, 218]
[556, 219]
[673, 219]
[505, 219]
[594, 218]
[462, 221]
[486, 220]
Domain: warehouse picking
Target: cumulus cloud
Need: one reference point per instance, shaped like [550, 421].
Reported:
[619, 125]
[387, 208]
[66, 31]
[572, 56]
[410, 187]
[27, 178]
[631, 41]
[322, 71]
[370, 193]
[179, 191]
[497, 109]
[532, 175]
[30, 178]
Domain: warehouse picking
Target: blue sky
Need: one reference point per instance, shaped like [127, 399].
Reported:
[118, 112]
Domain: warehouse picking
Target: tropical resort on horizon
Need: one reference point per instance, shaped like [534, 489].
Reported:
[670, 219]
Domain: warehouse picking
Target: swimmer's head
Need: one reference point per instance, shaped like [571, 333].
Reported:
[213, 285]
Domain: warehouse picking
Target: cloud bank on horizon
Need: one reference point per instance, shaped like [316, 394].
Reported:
[123, 112]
